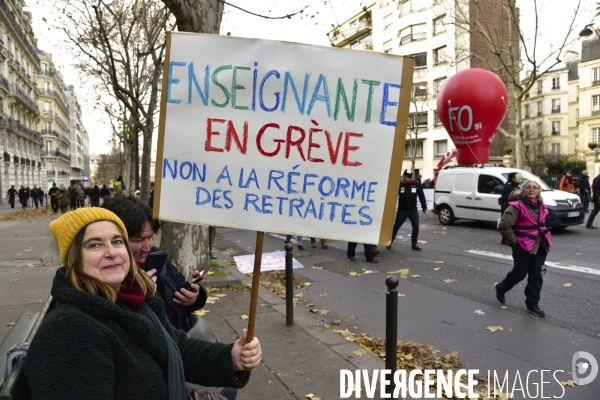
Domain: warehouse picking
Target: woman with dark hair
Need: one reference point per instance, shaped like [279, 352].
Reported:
[108, 337]
[523, 228]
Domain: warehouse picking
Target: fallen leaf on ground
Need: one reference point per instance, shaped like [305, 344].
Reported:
[449, 280]
[415, 276]
[201, 312]
[11, 324]
[220, 295]
[568, 383]
[479, 312]
[315, 267]
[438, 262]
[352, 316]
[299, 295]
[360, 352]
[354, 273]
[312, 397]
[371, 272]
[323, 295]
[244, 317]
[401, 295]
[437, 269]
[212, 300]
[494, 328]
[319, 311]
[568, 285]
[336, 322]
[307, 283]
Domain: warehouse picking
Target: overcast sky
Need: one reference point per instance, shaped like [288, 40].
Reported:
[309, 27]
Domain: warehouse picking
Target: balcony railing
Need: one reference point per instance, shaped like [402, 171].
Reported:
[17, 28]
[539, 113]
[556, 110]
[54, 93]
[62, 123]
[539, 91]
[56, 134]
[51, 172]
[595, 112]
[526, 115]
[4, 83]
[342, 37]
[58, 153]
[555, 87]
[15, 90]
[19, 128]
[595, 83]
[47, 73]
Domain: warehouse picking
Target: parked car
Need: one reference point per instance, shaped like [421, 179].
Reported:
[471, 193]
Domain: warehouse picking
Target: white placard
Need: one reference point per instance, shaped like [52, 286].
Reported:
[281, 137]
[274, 261]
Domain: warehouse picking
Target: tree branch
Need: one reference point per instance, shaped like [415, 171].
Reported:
[288, 16]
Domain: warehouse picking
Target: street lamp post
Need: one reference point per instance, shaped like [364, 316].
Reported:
[587, 31]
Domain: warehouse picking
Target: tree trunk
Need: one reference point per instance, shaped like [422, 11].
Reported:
[187, 244]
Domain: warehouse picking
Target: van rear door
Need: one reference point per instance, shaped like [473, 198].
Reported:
[485, 200]
[463, 195]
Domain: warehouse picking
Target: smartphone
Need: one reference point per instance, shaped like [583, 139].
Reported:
[156, 261]
[199, 278]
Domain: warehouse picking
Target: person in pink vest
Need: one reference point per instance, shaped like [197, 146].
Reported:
[524, 229]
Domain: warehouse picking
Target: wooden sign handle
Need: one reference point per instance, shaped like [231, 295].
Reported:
[260, 236]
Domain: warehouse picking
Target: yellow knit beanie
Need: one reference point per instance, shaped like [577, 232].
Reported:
[68, 226]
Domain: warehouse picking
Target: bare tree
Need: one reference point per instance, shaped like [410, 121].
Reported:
[123, 44]
[497, 42]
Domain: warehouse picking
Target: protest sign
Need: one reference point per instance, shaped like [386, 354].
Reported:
[281, 137]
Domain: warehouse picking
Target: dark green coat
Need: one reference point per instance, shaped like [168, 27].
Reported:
[89, 348]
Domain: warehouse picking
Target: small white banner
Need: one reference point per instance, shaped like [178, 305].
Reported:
[270, 262]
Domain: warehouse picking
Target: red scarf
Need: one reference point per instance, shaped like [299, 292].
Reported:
[132, 298]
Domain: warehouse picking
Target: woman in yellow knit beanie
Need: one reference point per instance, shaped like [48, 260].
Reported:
[108, 334]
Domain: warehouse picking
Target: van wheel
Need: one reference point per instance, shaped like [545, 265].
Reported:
[446, 216]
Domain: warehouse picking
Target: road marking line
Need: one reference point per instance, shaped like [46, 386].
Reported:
[575, 268]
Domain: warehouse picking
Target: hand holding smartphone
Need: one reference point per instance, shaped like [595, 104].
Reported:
[155, 261]
[203, 274]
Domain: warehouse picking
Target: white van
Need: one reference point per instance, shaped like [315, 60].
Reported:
[468, 193]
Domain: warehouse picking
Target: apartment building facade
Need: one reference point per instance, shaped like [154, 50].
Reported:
[423, 29]
[545, 118]
[20, 142]
[78, 135]
[53, 123]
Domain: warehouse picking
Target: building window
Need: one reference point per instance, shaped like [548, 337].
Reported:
[437, 85]
[413, 32]
[556, 149]
[418, 150]
[44, 68]
[527, 111]
[577, 91]
[539, 108]
[556, 83]
[526, 131]
[388, 46]
[49, 148]
[595, 76]
[555, 128]
[439, 25]
[441, 147]
[595, 135]
[555, 106]
[46, 106]
[540, 131]
[596, 104]
[407, 6]
[364, 43]
[439, 55]
[437, 121]
[539, 87]
[417, 120]
[388, 20]
[576, 144]
[420, 60]
[420, 90]
[48, 125]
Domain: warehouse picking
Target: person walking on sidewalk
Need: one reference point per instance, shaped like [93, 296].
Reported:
[12, 192]
[584, 190]
[53, 201]
[35, 195]
[407, 207]
[288, 239]
[73, 196]
[63, 198]
[23, 197]
[108, 334]
[566, 183]
[369, 254]
[523, 226]
[596, 201]
[313, 243]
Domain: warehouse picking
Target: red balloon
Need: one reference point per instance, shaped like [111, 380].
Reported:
[472, 105]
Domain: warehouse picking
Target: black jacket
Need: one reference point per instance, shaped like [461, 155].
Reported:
[596, 189]
[95, 193]
[407, 196]
[52, 191]
[168, 284]
[89, 348]
[36, 193]
[506, 191]
[12, 192]
[584, 183]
